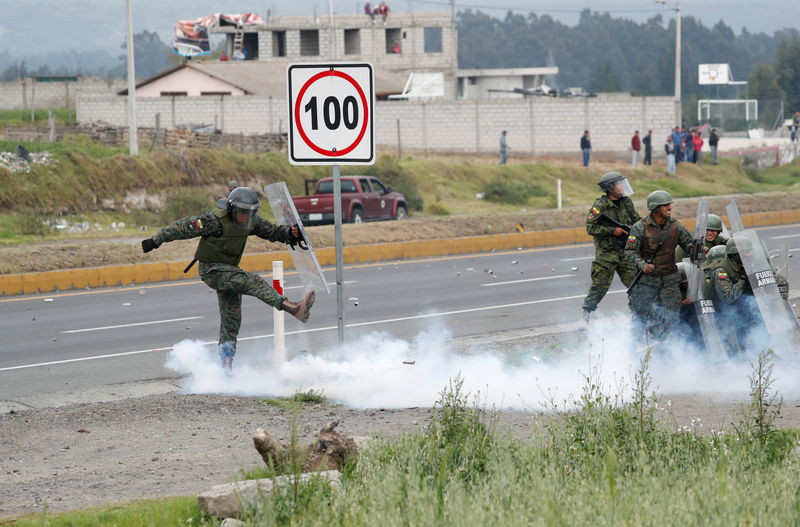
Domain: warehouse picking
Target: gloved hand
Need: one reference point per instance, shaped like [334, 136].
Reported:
[148, 245]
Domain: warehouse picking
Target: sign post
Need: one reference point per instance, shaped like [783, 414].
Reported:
[330, 123]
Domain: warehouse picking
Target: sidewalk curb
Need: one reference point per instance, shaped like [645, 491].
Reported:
[94, 277]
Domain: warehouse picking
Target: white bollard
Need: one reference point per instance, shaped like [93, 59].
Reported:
[279, 356]
[559, 194]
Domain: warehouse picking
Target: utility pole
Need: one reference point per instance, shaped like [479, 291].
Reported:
[678, 60]
[333, 30]
[134, 150]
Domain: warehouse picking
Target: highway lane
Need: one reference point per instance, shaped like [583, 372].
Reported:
[83, 339]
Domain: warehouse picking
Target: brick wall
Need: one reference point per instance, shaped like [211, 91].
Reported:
[541, 125]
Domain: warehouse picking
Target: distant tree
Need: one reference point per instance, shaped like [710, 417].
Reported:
[150, 56]
[787, 66]
[13, 72]
[604, 79]
[762, 83]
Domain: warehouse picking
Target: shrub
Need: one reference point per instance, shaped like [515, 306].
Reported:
[388, 170]
[503, 190]
[188, 202]
[437, 209]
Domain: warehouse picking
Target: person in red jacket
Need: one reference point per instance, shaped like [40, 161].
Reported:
[697, 139]
[636, 145]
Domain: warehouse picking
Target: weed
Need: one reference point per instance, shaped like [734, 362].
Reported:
[503, 190]
[188, 202]
[437, 209]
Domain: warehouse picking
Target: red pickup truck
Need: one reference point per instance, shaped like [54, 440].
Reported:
[364, 198]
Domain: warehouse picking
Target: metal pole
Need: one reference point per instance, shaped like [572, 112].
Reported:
[337, 219]
[333, 29]
[134, 150]
[399, 147]
[678, 60]
[279, 356]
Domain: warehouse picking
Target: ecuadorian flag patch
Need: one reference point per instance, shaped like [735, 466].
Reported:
[594, 212]
[198, 225]
[631, 239]
[722, 275]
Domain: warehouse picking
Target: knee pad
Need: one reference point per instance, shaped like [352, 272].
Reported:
[226, 349]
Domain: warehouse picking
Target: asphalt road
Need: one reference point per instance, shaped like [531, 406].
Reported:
[81, 340]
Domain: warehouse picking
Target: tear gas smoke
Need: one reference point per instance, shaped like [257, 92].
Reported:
[506, 376]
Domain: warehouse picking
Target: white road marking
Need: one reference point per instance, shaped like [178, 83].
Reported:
[576, 259]
[490, 284]
[315, 330]
[784, 236]
[131, 325]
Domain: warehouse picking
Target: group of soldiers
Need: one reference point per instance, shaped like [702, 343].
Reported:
[653, 257]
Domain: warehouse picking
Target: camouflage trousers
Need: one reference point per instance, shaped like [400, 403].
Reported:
[230, 283]
[655, 303]
[602, 275]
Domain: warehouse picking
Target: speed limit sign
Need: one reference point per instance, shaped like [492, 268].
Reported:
[330, 114]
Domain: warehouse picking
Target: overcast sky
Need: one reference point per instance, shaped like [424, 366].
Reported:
[34, 26]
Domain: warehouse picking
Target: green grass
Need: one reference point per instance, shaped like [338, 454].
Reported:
[39, 116]
[146, 513]
[89, 176]
[601, 460]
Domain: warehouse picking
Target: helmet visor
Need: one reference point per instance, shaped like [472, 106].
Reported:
[622, 189]
[244, 215]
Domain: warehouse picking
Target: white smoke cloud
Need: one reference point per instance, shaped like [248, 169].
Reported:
[373, 373]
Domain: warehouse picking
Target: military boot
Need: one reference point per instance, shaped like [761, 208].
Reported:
[299, 310]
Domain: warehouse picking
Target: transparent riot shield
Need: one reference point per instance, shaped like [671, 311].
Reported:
[776, 312]
[303, 257]
[734, 219]
[698, 255]
[707, 316]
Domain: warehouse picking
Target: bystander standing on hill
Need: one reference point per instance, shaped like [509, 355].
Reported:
[586, 147]
[697, 140]
[795, 127]
[676, 143]
[687, 150]
[503, 147]
[636, 146]
[648, 148]
[713, 142]
[669, 149]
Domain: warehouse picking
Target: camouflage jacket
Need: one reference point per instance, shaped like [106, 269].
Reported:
[621, 210]
[207, 224]
[726, 283]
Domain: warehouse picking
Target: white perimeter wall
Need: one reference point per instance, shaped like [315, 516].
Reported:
[535, 125]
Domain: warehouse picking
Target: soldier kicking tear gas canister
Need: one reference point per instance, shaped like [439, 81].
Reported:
[223, 234]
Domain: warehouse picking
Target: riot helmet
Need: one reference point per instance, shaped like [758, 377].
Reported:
[716, 255]
[714, 223]
[242, 207]
[735, 246]
[658, 198]
[616, 184]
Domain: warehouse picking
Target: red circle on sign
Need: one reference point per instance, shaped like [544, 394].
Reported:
[309, 82]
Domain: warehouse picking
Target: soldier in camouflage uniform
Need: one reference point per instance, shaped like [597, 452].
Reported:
[733, 293]
[224, 233]
[609, 240]
[657, 295]
[714, 237]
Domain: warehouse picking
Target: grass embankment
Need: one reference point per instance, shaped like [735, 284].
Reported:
[604, 462]
[99, 185]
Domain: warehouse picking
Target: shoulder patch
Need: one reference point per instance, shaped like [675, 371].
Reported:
[198, 224]
[631, 239]
[722, 275]
[595, 212]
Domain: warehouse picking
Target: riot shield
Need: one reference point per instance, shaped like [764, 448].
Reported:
[698, 255]
[305, 261]
[734, 219]
[776, 312]
[707, 317]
